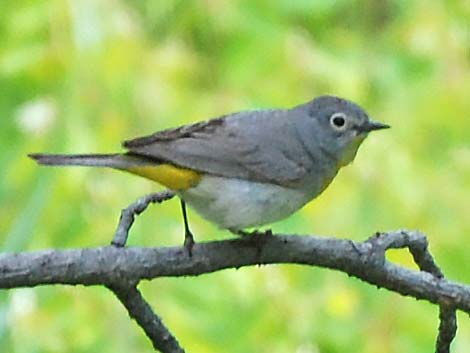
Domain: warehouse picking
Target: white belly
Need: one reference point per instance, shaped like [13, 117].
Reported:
[238, 204]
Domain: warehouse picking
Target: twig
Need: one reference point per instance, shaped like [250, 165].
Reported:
[447, 329]
[417, 244]
[150, 322]
[128, 215]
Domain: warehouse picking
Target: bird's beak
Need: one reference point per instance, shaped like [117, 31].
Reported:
[371, 125]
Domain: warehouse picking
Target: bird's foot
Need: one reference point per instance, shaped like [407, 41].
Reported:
[255, 233]
[188, 242]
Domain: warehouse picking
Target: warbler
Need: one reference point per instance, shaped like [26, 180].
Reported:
[244, 169]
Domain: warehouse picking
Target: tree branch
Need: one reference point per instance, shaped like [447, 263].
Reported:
[134, 209]
[110, 266]
[447, 329]
[141, 312]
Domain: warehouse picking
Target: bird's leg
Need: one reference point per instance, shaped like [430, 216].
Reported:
[188, 236]
[128, 215]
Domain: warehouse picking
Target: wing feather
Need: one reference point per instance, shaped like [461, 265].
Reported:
[254, 145]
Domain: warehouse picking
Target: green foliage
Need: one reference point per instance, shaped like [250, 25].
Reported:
[80, 76]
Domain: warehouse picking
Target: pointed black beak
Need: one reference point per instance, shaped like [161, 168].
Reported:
[371, 125]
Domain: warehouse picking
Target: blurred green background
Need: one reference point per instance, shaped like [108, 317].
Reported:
[80, 76]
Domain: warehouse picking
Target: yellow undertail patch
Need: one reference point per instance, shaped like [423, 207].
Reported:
[172, 177]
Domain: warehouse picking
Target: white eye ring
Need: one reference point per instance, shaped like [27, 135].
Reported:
[338, 121]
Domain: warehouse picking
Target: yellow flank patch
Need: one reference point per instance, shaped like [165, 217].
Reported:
[172, 177]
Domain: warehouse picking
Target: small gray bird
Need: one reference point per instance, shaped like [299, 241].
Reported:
[245, 169]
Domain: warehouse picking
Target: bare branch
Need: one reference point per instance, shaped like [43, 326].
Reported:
[447, 329]
[418, 247]
[107, 265]
[128, 214]
[112, 265]
[141, 312]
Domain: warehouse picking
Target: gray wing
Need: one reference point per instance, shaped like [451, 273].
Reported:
[254, 145]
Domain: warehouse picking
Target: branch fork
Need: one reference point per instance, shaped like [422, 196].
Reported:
[121, 268]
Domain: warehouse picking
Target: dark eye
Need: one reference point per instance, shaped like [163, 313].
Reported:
[338, 121]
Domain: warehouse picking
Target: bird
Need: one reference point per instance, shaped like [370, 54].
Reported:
[245, 169]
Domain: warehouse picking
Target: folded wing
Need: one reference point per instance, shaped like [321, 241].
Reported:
[254, 145]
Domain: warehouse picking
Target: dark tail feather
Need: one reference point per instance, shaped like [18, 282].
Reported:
[118, 161]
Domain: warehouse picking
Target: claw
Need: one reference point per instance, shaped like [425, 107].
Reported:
[254, 233]
[189, 243]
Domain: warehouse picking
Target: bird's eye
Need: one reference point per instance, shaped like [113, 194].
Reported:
[338, 121]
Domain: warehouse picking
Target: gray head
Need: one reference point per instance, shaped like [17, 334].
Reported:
[342, 126]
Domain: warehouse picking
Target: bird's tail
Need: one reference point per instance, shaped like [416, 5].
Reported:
[117, 160]
[171, 176]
